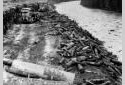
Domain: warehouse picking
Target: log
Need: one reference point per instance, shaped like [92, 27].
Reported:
[42, 71]
[21, 81]
[17, 72]
[33, 81]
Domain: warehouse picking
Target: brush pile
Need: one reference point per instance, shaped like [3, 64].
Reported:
[78, 52]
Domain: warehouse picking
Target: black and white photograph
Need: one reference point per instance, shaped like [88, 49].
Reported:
[62, 42]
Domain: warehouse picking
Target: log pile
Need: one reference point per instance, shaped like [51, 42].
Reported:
[79, 52]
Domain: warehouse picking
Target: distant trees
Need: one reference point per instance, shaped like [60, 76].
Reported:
[58, 1]
[113, 5]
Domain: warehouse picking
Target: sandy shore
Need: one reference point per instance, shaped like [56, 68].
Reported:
[107, 26]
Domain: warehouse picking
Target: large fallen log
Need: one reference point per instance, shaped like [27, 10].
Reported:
[26, 69]
[32, 81]
[25, 81]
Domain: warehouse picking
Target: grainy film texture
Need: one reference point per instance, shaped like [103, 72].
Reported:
[62, 42]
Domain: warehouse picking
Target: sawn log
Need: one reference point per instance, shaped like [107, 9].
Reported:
[39, 71]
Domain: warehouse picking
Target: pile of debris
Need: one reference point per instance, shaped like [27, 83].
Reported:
[79, 52]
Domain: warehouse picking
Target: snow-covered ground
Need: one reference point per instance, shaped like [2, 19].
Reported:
[106, 26]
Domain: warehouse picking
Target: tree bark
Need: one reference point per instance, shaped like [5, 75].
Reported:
[25, 68]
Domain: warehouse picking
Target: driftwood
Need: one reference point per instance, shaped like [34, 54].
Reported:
[27, 69]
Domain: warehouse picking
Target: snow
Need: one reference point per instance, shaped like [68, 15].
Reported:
[104, 25]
